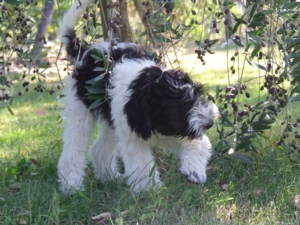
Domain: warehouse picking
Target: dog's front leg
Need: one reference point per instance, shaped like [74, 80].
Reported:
[139, 164]
[194, 155]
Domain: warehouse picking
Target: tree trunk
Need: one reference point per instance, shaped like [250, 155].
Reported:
[142, 11]
[107, 15]
[125, 29]
[42, 31]
[104, 18]
[144, 14]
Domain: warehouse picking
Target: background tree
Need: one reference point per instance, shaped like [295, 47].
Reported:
[42, 30]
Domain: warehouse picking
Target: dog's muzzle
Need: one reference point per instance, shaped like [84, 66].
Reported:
[202, 116]
[209, 125]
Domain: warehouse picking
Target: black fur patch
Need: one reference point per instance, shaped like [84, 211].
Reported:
[74, 48]
[131, 52]
[86, 72]
[160, 102]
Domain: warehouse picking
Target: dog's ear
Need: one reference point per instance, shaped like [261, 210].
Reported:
[175, 84]
[152, 91]
[138, 108]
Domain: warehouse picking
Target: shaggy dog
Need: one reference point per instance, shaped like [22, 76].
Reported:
[138, 105]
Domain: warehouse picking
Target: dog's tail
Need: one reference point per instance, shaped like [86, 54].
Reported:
[67, 24]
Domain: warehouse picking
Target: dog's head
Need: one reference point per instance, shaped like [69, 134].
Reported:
[169, 103]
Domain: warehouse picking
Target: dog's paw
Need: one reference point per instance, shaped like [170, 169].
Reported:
[67, 189]
[145, 184]
[70, 186]
[195, 175]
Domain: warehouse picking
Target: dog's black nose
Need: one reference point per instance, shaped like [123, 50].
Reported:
[209, 125]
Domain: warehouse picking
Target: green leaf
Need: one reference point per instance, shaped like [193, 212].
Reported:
[290, 5]
[209, 51]
[236, 26]
[267, 121]
[94, 22]
[226, 121]
[10, 110]
[98, 36]
[269, 11]
[13, 2]
[96, 103]
[44, 65]
[296, 98]
[91, 81]
[259, 66]
[296, 79]
[257, 22]
[229, 134]
[295, 62]
[212, 42]
[294, 55]
[247, 136]
[287, 148]
[95, 90]
[258, 126]
[99, 69]
[238, 42]
[255, 50]
[219, 146]
[243, 144]
[272, 108]
[259, 31]
[100, 77]
[253, 9]
[143, 33]
[286, 12]
[295, 74]
[92, 97]
[252, 147]
[97, 58]
[295, 90]
[243, 158]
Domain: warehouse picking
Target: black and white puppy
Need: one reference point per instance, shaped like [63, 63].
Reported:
[146, 106]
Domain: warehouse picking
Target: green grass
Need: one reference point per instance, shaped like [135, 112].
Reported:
[235, 193]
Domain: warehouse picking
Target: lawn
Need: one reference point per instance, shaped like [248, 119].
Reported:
[263, 192]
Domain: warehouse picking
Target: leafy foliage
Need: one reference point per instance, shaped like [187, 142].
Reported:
[18, 29]
[270, 32]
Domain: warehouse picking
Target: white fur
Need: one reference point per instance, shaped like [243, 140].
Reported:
[121, 140]
[103, 153]
[78, 128]
[69, 19]
[193, 154]
[200, 114]
[135, 152]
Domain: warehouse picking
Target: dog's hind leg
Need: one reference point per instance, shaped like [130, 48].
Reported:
[103, 153]
[78, 128]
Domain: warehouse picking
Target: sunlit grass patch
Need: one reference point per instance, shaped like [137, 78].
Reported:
[32, 126]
